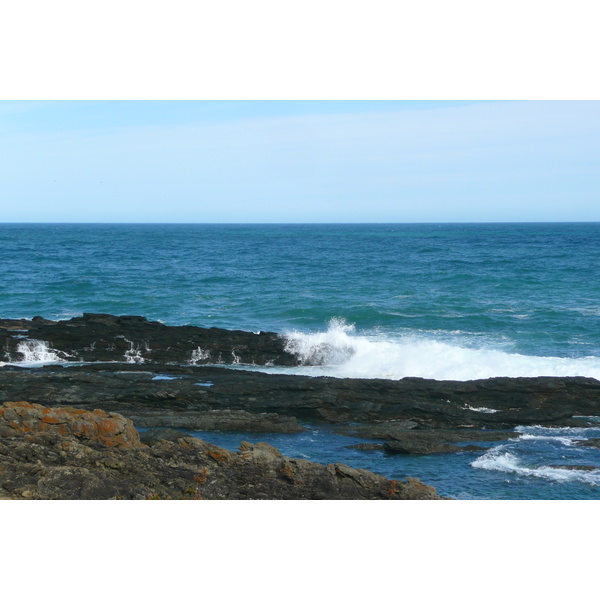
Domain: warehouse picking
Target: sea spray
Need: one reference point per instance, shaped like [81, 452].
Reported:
[341, 352]
[199, 355]
[332, 347]
[37, 351]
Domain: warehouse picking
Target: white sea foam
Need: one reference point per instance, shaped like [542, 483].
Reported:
[497, 459]
[134, 354]
[567, 436]
[554, 431]
[481, 409]
[339, 352]
[199, 354]
[565, 441]
[37, 351]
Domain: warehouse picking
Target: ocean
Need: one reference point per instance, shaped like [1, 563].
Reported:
[441, 301]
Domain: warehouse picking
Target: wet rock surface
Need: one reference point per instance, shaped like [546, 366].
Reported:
[574, 467]
[50, 464]
[104, 337]
[379, 406]
[425, 441]
[591, 442]
[366, 446]
[412, 446]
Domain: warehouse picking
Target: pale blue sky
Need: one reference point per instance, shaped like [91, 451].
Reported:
[324, 161]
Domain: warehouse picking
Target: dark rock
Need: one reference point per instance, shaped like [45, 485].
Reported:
[591, 442]
[382, 404]
[51, 465]
[427, 447]
[438, 441]
[366, 446]
[219, 420]
[133, 339]
[427, 435]
[157, 435]
[574, 467]
[378, 431]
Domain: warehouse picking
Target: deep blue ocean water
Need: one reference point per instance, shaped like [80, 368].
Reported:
[446, 301]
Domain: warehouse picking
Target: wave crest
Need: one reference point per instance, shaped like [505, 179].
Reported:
[498, 459]
[339, 352]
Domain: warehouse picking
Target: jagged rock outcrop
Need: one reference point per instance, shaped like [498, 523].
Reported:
[46, 463]
[134, 339]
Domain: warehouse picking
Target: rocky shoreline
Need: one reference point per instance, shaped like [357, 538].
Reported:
[73, 454]
[159, 376]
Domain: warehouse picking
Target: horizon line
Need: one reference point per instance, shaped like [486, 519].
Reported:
[294, 222]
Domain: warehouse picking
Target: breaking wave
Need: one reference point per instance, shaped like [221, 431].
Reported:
[339, 352]
[498, 459]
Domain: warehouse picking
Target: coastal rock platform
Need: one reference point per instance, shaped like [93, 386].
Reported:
[159, 376]
[103, 337]
[234, 399]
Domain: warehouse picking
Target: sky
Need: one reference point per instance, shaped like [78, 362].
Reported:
[299, 161]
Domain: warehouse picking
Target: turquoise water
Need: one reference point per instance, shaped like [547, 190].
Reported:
[524, 468]
[445, 301]
[531, 288]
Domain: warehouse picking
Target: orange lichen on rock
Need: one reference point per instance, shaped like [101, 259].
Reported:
[219, 456]
[98, 426]
[393, 489]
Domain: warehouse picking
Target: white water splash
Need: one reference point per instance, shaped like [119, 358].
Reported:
[551, 432]
[37, 351]
[134, 354]
[198, 354]
[566, 436]
[481, 409]
[497, 459]
[339, 352]
[565, 441]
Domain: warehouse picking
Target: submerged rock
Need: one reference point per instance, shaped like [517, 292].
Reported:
[428, 436]
[591, 442]
[422, 441]
[366, 447]
[51, 463]
[574, 467]
[423, 447]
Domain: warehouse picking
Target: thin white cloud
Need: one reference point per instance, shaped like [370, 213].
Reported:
[486, 159]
